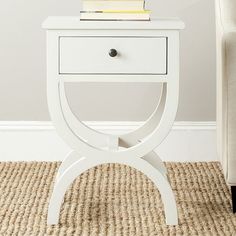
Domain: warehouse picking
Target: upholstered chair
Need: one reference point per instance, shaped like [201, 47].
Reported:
[226, 90]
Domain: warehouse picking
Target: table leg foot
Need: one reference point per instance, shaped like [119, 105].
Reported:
[72, 172]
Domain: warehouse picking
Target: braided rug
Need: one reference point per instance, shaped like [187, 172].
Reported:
[115, 200]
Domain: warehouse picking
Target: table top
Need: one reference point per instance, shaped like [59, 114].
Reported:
[72, 22]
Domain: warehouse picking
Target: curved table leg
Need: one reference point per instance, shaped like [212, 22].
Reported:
[83, 145]
[84, 164]
[152, 121]
[93, 137]
[152, 157]
[73, 156]
[69, 160]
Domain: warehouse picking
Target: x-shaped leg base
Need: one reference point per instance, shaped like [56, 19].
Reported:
[136, 152]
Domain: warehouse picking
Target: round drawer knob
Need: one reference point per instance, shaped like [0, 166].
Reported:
[112, 52]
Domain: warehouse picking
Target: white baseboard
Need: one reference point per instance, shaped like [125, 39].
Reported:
[38, 141]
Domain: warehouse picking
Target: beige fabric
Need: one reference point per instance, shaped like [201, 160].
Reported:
[230, 64]
[226, 86]
[228, 12]
[221, 90]
[115, 200]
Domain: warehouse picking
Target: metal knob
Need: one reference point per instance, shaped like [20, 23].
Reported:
[113, 52]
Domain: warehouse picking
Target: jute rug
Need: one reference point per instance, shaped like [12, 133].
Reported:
[115, 200]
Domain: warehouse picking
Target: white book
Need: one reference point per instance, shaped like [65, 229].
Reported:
[114, 16]
[97, 5]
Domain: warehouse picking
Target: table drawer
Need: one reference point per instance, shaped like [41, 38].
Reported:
[135, 55]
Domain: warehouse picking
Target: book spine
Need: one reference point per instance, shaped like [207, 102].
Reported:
[114, 16]
[118, 11]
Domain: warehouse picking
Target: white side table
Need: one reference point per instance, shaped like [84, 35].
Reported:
[106, 51]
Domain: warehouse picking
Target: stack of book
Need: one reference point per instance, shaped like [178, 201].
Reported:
[114, 10]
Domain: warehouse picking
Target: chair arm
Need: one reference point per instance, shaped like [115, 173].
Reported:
[230, 80]
[230, 55]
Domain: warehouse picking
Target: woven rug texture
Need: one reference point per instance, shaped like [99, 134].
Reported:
[115, 200]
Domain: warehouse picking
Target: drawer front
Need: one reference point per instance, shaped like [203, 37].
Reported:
[135, 55]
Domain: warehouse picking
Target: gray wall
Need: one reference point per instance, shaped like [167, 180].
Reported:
[23, 75]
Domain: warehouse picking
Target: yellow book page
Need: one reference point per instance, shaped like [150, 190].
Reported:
[123, 11]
